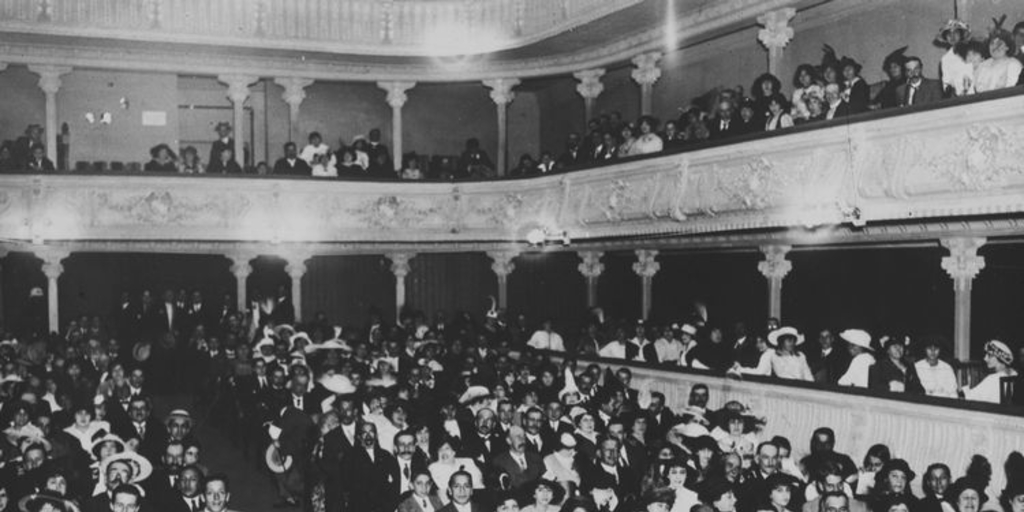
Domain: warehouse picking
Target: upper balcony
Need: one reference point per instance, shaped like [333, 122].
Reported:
[888, 170]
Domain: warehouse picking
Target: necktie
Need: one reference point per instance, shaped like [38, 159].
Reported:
[141, 427]
[425, 505]
[521, 461]
[195, 505]
[298, 403]
[406, 473]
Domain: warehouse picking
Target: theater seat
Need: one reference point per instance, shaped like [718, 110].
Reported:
[82, 166]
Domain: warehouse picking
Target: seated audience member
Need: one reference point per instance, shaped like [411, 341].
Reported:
[957, 75]
[609, 148]
[765, 86]
[823, 443]
[225, 163]
[190, 163]
[724, 124]
[695, 128]
[878, 455]
[163, 159]
[836, 107]
[937, 376]
[7, 162]
[422, 498]
[1001, 69]
[894, 68]
[805, 81]
[973, 52]
[935, 485]
[216, 493]
[859, 346]
[778, 113]
[891, 372]
[573, 155]
[22, 149]
[891, 482]
[546, 339]
[262, 169]
[290, 164]
[38, 162]
[829, 359]
[411, 170]
[917, 90]
[749, 121]
[319, 157]
[856, 93]
[999, 359]
[474, 162]
[648, 141]
[627, 138]
[527, 166]
[671, 135]
[460, 492]
[547, 164]
[348, 166]
[815, 101]
[224, 140]
[378, 152]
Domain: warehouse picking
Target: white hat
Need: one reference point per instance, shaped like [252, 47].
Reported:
[773, 337]
[689, 329]
[275, 462]
[333, 344]
[179, 413]
[141, 467]
[274, 431]
[857, 337]
[691, 430]
[338, 384]
[1000, 351]
[299, 336]
[567, 440]
[473, 393]
[570, 387]
[265, 342]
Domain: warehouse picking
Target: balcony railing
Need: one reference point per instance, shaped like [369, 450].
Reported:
[392, 27]
[960, 160]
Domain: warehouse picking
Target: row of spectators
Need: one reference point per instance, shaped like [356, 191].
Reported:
[433, 414]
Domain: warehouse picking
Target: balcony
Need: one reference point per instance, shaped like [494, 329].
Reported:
[960, 160]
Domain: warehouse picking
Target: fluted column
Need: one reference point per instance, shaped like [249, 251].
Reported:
[502, 95]
[590, 87]
[294, 94]
[646, 73]
[646, 267]
[775, 267]
[238, 92]
[775, 35]
[53, 268]
[400, 268]
[502, 266]
[296, 268]
[49, 82]
[962, 265]
[591, 268]
[396, 100]
[241, 268]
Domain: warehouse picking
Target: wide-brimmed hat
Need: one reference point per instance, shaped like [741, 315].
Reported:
[155, 150]
[474, 393]
[338, 384]
[773, 337]
[98, 443]
[951, 25]
[35, 502]
[894, 465]
[849, 61]
[141, 467]
[141, 351]
[276, 461]
[857, 337]
[898, 56]
[27, 442]
[332, 344]
[222, 124]
[178, 414]
[567, 440]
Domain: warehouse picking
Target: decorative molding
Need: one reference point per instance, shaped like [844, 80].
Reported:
[502, 264]
[396, 92]
[49, 76]
[646, 70]
[52, 260]
[776, 33]
[963, 263]
[591, 266]
[646, 265]
[590, 86]
[294, 89]
[775, 264]
[238, 86]
[501, 90]
[400, 263]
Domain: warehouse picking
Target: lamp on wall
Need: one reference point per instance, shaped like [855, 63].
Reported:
[540, 235]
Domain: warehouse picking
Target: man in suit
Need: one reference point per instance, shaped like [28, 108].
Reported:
[299, 397]
[338, 443]
[632, 456]
[38, 162]
[21, 150]
[483, 444]
[408, 461]
[755, 486]
[370, 474]
[188, 496]
[607, 473]
[662, 418]
[422, 499]
[170, 317]
[460, 489]
[152, 434]
[290, 164]
[162, 486]
[918, 90]
[573, 155]
[516, 467]
[217, 493]
[539, 440]
[827, 361]
[725, 123]
[224, 141]
[377, 151]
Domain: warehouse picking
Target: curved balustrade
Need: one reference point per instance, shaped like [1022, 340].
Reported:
[961, 160]
[921, 430]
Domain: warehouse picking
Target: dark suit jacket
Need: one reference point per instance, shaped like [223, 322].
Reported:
[412, 504]
[929, 91]
[828, 369]
[370, 486]
[593, 476]
[476, 449]
[217, 147]
[715, 131]
[301, 168]
[152, 446]
[885, 371]
[860, 97]
[504, 464]
[336, 447]
[474, 506]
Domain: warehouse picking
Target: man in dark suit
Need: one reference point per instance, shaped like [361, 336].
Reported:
[607, 473]
[224, 141]
[828, 362]
[662, 418]
[152, 434]
[632, 456]
[918, 90]
[574, 154]
[408, 461]
[162, 486]
[370, 475]
[338, 443]
[21, 150]
[38, 162]
[516, 467]
[294, 440]
[555, 423]
[290, 164]
[725, 123]
[299, 398]
[539, 439]
[756, 485]
[376, 150]
[483, 444]
[460, 488]
[188, 496]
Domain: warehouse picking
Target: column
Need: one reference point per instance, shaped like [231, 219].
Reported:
[775, 35]
[396, 99]
[502, 95]
[52, 268]
[400, 268]
[3, 254]
[775, 267]
[962, 265]
[645, 74]
[294, 93]
[238, 92]
[49, 82]
[241, 269]
[591, 268]
[502, 266]
[646, 267]
[296, 268]
[590, 87]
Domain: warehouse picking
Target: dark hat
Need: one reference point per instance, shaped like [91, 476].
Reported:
[557, 491]
[156, 150]
[35, 502]
[962, 484]
[897, 464]
[713, 490]
[849, 61]
[896, 57]
[659, 495]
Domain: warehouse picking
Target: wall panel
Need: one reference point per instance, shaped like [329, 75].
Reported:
[548, 284]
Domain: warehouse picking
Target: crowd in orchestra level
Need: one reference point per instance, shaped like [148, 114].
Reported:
[832, 89]
[436, 413]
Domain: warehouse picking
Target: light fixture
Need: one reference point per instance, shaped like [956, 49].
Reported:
[543, 236]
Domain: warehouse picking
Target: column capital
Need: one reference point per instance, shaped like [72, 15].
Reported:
[775, 265]
[294, 89]
[646, 263]
[240, 264]
[396, 92]
[590, 86]
[49, 76]
[591, 266]
[238, 86]
[647, 71]
[501, 89]
[963, 263]
[776, 32]
[52, 258]
[400, 263]
[502, 264]
[295, 265]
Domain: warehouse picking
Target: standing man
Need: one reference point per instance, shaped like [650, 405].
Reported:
[369, 474]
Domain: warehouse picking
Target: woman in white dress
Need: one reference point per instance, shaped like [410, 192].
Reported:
[804, 81]
[787, 362]
[957, 75]
[447, 463]
[648, 141]
[560, 465]
[998, 358]
[1002, 69]
[628, 140]
[85, 428]
[778, 113]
